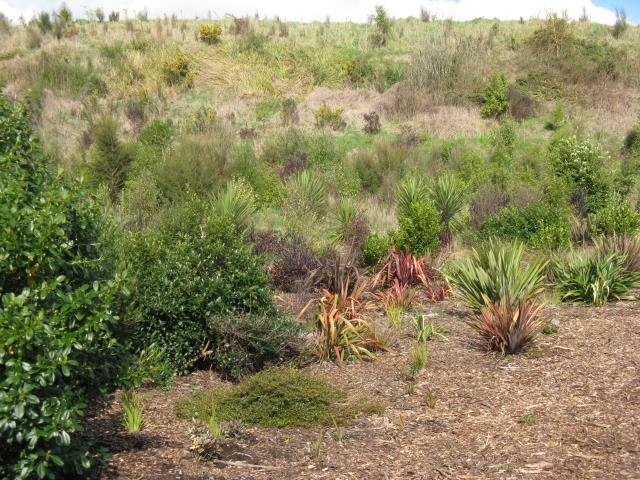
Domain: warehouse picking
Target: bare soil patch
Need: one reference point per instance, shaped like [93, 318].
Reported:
[568, 409]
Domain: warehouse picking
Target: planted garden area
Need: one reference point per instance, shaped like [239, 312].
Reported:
[258, 249]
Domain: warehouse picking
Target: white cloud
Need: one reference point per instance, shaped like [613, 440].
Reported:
[354, 10]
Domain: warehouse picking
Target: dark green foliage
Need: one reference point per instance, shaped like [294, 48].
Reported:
[278, 398]
[538, 225]
[373, 250]
[190, 276]
[419, 230]
[495, 101]
[111, 159]
[56, 342]
[157, 133]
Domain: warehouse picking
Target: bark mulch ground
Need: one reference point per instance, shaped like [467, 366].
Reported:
[569, 409]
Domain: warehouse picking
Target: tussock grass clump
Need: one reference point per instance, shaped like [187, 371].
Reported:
[279, 398]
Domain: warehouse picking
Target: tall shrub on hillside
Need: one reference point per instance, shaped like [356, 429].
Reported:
[56, 342]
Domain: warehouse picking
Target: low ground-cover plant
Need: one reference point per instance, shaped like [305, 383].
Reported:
[279, 398]
[595, 279]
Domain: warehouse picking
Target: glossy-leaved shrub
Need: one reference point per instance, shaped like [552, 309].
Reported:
[419, 229]
[538, 225]
[57, 349]
[194, 283]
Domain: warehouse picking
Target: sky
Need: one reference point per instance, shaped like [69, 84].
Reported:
[601, 11]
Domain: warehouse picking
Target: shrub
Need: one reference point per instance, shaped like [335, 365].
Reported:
[157, 133]
[553, 37]
[495, 101]
[292, 259]
[595, 279]
[371, 123]
[556, 118]
[507, 328]
[419, 229]
[189, 273]
[329, 117]
[373, 250]
[382, 24]
[358, 70]
[278, 398]
[289, 112]
[110, 159]
[538, 225]
[210, 34]
[176, 70]
[495, 274]
[621, 25]
[582, 164]
[616, 217]
[521, 105]
[56, 310]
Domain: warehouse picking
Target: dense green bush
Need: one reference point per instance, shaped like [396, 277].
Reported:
[495, 101]
[538, 225]
[373, 250]
[616, 217]
[56, 319]
[419, 229]
[582, 164]
[191, 276]
[157, 133]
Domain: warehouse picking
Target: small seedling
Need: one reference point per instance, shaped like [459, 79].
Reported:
[528, 419]
[394, 314]
[132, 411]
[419, 358]
[430, 399]
[317, 447]
[215, 427]
[425, 331]
[338, 434]
[550, 328]
[411, 386]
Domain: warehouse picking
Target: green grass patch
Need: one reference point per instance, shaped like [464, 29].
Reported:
[266, 109]
[279, 398]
